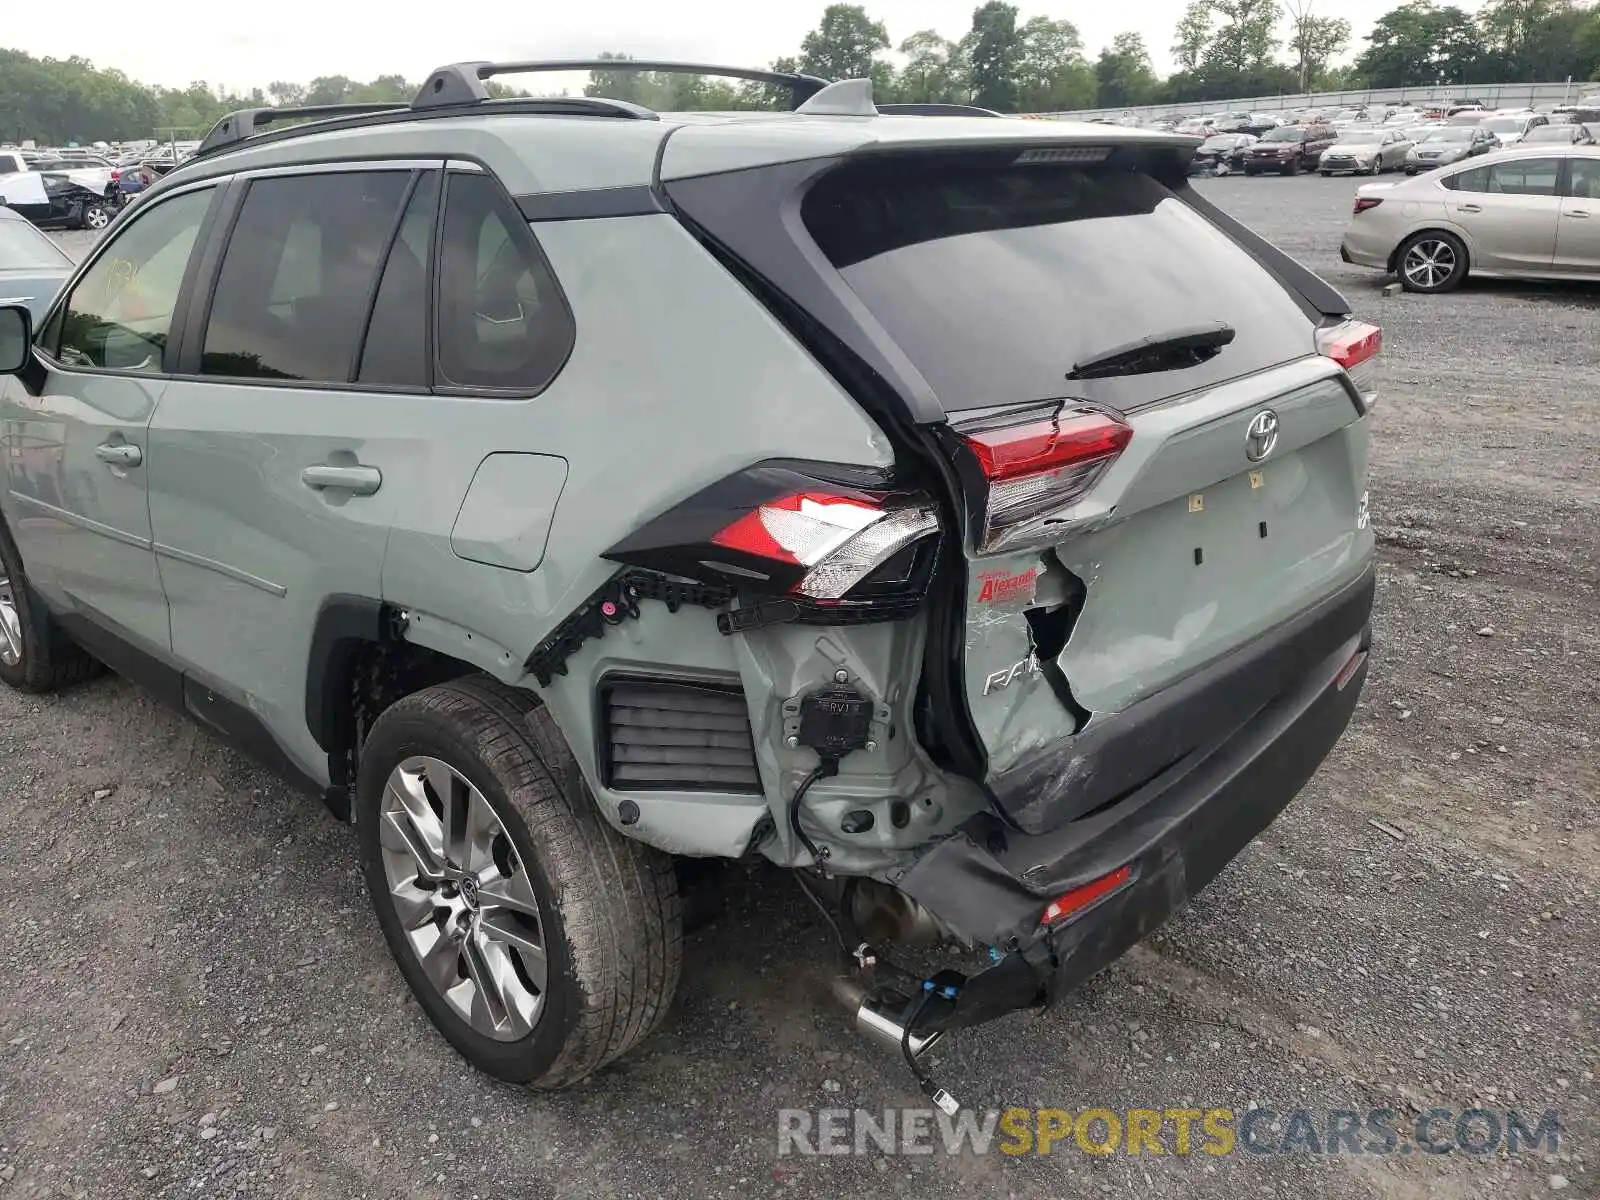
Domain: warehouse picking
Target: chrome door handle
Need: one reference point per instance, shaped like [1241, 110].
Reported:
[358, 481]
[119, 454]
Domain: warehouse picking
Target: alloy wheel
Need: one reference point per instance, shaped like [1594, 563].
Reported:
[464, 898]
[96, 218]
[10, 624]
[1429, 263]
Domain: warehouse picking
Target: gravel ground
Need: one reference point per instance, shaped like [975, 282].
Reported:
[195, 1000]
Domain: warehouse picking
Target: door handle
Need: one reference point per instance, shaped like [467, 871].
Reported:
[1579, 213]
[1470, 208]
[358, 481]
[119, 454]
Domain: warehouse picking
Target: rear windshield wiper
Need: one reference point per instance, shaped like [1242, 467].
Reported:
[1188, 347]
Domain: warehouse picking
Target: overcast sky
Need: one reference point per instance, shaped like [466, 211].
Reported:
[241, 45]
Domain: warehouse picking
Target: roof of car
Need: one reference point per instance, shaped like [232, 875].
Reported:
[534, 153]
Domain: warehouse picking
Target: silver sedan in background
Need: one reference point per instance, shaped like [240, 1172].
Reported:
[1365, 150]
[1530, 212]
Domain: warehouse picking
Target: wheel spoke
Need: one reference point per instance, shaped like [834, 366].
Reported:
[451, 792]
[489, 1005]
[398, 833]
[514, 892]
[440, 960]
[505, 928]
[415, 906]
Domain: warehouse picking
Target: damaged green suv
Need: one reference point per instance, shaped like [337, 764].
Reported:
[955, 509]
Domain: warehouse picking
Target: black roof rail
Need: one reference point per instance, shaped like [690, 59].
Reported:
[462, 83]
[237, 126]
[935, 110]
[245, 124]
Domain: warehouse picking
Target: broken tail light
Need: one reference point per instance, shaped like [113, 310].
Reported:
[812, 543]
[1354, 345]
[1035, 466]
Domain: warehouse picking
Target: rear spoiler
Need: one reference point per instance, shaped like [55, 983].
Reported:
[1318, 297]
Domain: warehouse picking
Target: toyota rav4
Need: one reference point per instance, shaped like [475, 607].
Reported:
[957, 510]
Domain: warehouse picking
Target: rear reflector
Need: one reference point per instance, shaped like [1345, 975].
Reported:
[1348, 671]
[1038, 467]
[1364, 203]
[1080, 898]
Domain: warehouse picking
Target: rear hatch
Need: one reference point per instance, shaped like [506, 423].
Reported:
[1157, 464]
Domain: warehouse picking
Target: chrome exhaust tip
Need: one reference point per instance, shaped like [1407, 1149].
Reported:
[880, 1023]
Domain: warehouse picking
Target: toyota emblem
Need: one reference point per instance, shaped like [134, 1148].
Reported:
[1262, 437]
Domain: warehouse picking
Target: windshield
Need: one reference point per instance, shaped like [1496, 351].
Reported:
[1449, 135]
[1225, 141]
[1360, 133]
[1287, 133]
[22, 247]
[1552, 133]
[1504, 124]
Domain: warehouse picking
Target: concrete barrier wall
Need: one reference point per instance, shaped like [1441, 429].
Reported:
[1499, 95]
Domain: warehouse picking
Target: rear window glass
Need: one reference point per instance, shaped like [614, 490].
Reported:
[997, 280]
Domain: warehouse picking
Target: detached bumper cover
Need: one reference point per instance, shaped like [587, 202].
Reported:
[1176, 833]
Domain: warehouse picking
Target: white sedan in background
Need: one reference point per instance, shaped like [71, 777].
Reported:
[1530, 212]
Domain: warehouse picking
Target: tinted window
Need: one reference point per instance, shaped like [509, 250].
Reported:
[1583, 179]
[1519, 177]
[298, 274]
[120, 313]
[396, 349]
[502, 320]
[997, 281]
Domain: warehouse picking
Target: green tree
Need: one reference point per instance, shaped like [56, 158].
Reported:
[1192, 36]
[1051, 72]
[1420, 45]
[934, 72]
[1123, 74]
[845, 45]
[1314, 41]
[994, 52]
[1245, 38]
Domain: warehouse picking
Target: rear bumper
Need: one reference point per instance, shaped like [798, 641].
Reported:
[992, 883]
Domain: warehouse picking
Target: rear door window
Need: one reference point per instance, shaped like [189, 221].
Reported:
[996, 280]
[298, 275]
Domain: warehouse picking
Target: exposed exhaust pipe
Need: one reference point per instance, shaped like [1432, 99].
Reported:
[877, 1021]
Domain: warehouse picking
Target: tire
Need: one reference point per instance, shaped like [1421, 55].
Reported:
[95, 216]
[1430, 262]
[36, 655]
[1327, 174]
[604, 911]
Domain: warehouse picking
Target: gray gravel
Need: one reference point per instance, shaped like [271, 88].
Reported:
[195, 1001]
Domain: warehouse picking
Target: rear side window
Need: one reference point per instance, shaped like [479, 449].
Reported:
[298, 275]
[395, 353]
[996, 281]
[1517, 177]
[502, 321]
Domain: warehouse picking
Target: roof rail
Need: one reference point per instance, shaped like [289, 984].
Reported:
[237, 126]
[935, 110]
[462, 83]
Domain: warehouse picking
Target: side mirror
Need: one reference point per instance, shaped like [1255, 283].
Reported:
[16, 339]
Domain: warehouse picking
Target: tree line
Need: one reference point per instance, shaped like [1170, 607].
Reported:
[1220, 49]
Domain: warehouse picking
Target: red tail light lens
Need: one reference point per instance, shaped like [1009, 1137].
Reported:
[1364, 203]
[1354, 345]
[1038, 467]
[841, 540]
[1080, 898]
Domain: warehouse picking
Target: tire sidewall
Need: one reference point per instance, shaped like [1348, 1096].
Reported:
[18, 674]
[407, 734]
